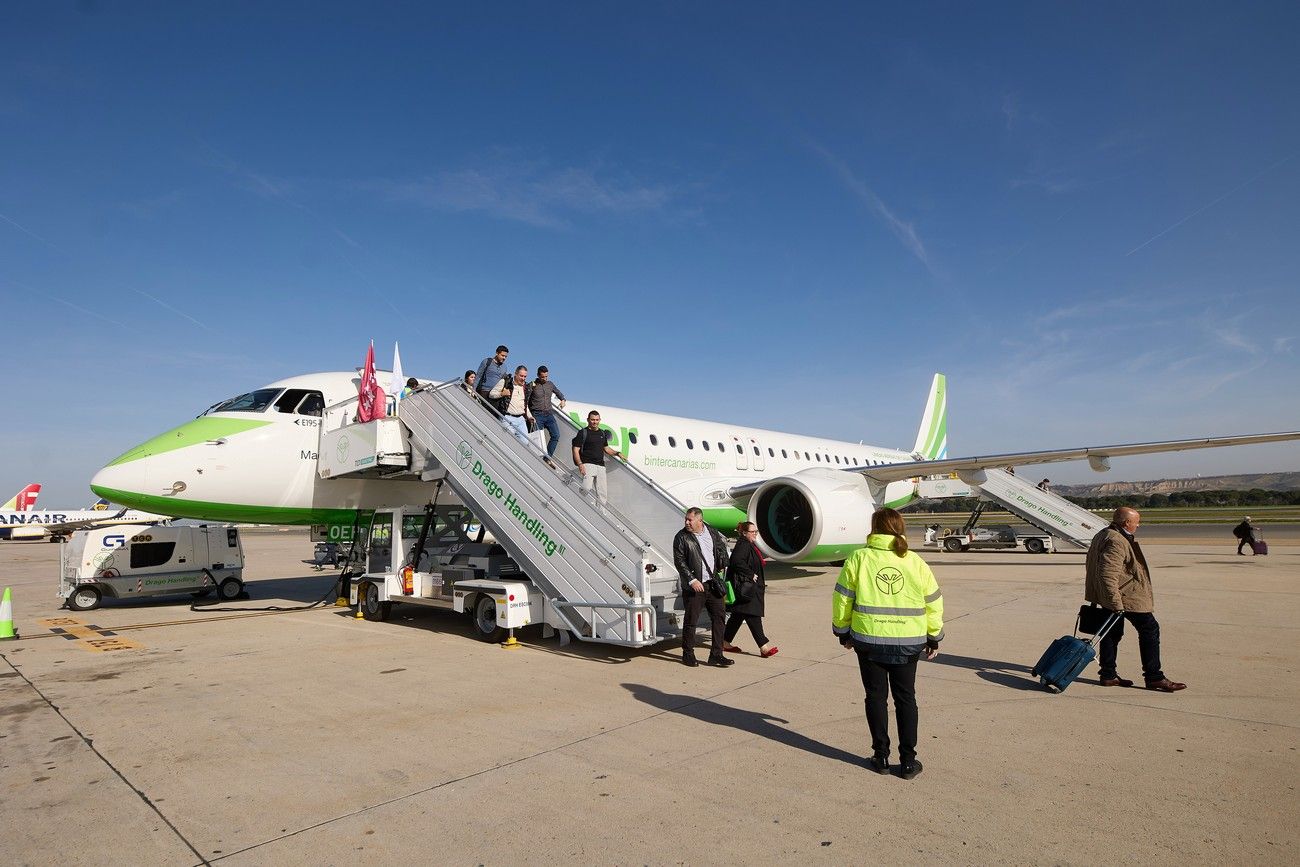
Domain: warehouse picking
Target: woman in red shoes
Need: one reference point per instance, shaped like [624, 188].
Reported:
[745, 572]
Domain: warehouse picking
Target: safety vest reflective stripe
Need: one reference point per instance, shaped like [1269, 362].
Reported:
[844, 591]
[905, 640]
[880, 609]
[933, 596]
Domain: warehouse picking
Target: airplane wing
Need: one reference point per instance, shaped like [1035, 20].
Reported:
[81, 524]
[1098, 456]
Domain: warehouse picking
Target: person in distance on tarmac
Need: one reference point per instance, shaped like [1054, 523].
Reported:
[888, 608]
[745, 572]
[1245, 533]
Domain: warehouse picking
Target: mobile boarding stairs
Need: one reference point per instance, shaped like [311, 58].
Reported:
[599, 572]
[1051, 513]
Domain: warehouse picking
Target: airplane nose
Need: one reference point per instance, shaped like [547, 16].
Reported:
[118, 483]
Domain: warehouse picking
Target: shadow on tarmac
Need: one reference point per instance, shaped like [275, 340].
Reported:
[1012, 675]
[750, 722]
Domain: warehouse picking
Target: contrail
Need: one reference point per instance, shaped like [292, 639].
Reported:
[81, 309]
[20, 227]
[172, 309]
[1239, 186]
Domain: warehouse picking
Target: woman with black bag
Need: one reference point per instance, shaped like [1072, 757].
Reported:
[745, 572]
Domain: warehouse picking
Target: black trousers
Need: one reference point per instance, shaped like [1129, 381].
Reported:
[881, 680]
[1244, 541]
[695, 604]
[753, 621]
[1148, 630]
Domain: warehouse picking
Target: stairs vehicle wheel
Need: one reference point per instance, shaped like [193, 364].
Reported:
[952, 543]
[1035, 546]
[485, 620]
[371, 607]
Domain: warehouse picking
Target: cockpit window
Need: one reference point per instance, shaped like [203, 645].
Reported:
[301, 401]
[312, 404]
[254, 401]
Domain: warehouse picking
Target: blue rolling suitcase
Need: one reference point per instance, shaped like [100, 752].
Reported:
[1067, 657]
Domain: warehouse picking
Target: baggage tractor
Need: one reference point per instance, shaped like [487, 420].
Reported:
[1259, 547]
[1068, 656]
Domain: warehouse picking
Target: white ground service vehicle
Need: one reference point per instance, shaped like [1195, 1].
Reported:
[993, 536]
[126, 562]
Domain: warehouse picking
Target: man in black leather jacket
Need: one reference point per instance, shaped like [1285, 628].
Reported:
[700, 553]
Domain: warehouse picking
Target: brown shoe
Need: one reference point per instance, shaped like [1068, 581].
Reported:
[1166, 685]
[1116, 681]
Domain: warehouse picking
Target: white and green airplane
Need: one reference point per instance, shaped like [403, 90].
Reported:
[253, 459]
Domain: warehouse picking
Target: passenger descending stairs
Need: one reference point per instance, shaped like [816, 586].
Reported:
[599, 567]
[1048, 512]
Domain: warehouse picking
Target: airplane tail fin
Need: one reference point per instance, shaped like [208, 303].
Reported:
[100, 505]
[24, 500]
[932, 437]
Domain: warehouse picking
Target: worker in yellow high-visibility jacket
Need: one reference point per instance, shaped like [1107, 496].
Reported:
[888, 608]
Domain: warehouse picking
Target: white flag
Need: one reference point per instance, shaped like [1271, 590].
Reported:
[398, 381]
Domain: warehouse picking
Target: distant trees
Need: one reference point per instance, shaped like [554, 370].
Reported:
[1178, 499]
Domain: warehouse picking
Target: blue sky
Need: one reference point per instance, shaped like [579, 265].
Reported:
[783, 215]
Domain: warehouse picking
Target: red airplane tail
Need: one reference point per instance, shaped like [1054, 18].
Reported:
[24, 500]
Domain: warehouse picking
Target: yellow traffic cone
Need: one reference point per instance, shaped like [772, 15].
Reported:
[7, 632]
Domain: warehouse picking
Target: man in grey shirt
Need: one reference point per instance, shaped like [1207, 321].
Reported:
[539, 403]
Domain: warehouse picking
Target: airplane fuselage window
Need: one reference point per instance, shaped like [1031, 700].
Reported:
[756, 451]
[654, 440]
[631, 437]
[253, 401]
[818, 457]
[770, 453]
[739, 450]
[837, 459]
[689, 444]
[705, 443]
[672, 442]
[783, 454]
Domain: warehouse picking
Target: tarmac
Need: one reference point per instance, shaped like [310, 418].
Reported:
[147, 733]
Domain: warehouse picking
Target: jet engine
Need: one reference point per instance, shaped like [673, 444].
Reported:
[818, 515]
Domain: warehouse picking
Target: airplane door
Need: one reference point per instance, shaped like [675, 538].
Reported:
[759, 462]
[742, 459]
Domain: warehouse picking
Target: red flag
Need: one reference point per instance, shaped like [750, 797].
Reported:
[370, 396]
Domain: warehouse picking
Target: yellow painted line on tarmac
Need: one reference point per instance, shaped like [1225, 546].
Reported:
[56, 622]
[88, 636]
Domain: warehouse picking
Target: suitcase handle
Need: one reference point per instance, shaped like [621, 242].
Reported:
[1115, 617]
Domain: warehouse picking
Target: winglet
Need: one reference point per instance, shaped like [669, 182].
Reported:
[932, 437]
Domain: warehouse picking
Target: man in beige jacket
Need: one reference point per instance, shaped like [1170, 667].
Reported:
[1118, 579]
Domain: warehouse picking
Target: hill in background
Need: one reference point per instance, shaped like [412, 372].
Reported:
[1246, 482]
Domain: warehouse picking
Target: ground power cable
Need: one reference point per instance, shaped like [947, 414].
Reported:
[332, 594]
